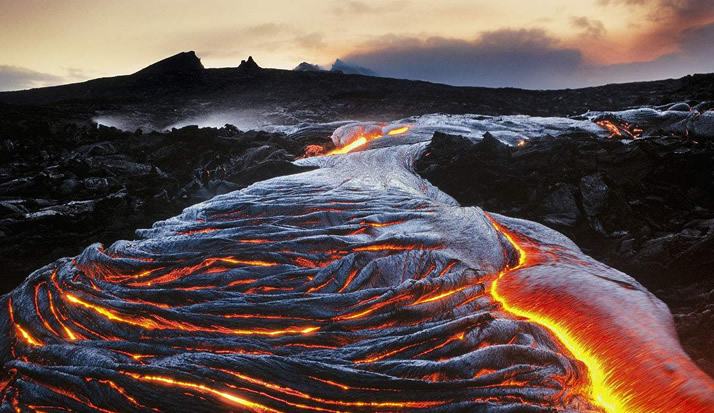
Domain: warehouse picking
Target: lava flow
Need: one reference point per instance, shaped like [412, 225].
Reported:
[620, 129]
[351, 137]
[651, 377]
[356, 286]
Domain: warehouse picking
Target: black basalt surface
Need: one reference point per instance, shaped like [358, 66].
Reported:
[66, 185]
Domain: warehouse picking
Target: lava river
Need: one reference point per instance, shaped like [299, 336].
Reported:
[357, 286]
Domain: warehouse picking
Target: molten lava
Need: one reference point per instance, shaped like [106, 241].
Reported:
[357, 137]
[621, 129]
[356, 286]
[361, 137]
[619, 382]
[357, 143]
[398, 131]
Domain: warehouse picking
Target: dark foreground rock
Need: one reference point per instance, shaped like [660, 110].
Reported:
[645, 207]
[64, 186]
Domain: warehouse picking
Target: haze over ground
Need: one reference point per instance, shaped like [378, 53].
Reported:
[546, 44]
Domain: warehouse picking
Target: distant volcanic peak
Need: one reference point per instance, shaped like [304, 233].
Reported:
[183, 62]
[308, 67]
[351, 69]
[249, 65]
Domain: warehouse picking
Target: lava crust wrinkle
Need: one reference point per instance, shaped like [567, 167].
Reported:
[357, 286]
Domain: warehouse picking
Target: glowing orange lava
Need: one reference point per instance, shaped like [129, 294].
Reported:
[398, 131]
[627, 373]
[205, 389]
[305, 396]
[363, 139]
[437, 297]
[21, 331]
[357, 143]
[160, 323]
[623, 129]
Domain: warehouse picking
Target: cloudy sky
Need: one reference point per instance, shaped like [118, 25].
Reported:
[520, 43]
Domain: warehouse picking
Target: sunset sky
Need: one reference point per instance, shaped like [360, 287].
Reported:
[532, 44]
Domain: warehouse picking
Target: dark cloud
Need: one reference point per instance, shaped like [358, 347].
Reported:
[699, 41]
[16, 78]
[519, 58]
[689, 7]
[591, 28]
[694, 56]
[522, 39]
[670, 11]
[528, 59]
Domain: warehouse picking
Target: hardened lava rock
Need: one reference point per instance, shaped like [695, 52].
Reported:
[354, 287]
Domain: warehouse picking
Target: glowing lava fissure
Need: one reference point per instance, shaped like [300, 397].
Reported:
[356, 286]
[352, 137]
[617, 382]
[620, 129]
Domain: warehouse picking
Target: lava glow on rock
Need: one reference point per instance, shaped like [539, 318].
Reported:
[617, 383]
[351, 137]
[356, 286]
[620, 129]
